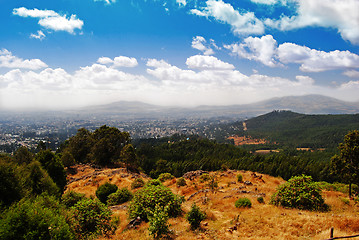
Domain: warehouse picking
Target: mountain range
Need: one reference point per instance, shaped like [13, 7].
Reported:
[308, 104]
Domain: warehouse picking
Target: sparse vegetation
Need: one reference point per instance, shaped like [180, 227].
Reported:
[181, 182]
[239, 178]
[260, 199]
[137, 183]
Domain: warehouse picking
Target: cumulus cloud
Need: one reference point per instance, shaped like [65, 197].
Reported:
[181, 2]
[258, 49]
[241, 23]
[40, 35]
[266, 51]
[266, 2]
[338, 14]
[312, 60]
[121, 61]
[200, 44]
[207, 62]
[52, 20]
[352, 73]
[8, 60]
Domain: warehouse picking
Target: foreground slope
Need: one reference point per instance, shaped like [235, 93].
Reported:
[224, 221]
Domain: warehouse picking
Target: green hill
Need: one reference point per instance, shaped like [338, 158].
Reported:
[300, 130]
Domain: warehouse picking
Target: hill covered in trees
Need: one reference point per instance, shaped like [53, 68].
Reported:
[286, 128]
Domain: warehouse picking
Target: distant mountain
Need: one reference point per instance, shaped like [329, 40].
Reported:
[309, 104]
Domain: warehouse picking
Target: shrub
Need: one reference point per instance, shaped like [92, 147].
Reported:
[37, 219]
[105, 190]
[165, 176]
[181, 182]
[195, 216]
[91, 218]
[120, 196]
[243, 203]
[204, 177]
[212, 183]
[70, 198]
[260, 199]
[158, 223]
[299, 192]
[154, 182]
[137, 183]
[239, 178]
[146, 199]
[10, 185]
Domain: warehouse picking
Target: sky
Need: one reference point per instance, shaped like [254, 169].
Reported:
[64, 54]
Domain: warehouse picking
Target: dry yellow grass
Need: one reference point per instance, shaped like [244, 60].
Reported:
[262, 221]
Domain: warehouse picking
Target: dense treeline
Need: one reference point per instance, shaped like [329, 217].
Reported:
[193, 154]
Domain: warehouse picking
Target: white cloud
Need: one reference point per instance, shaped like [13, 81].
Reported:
[8, 60]
[352, 73]
[181, 2]
[312, 60]
[120, 61]
[51, 20]
[338, 14]
[266, 2]
[200, 44]
[40, 35]
[106, 1]
[259, 49]
[207, 62]
[241, 23]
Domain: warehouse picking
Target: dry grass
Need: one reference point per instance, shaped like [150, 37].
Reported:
[262, 221]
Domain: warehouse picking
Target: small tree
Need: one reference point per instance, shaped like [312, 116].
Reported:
[346, 164]
[195, 216]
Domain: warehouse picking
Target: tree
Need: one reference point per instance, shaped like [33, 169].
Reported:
[23, 155]
[129, 157]
[80, 145]
[346, 164]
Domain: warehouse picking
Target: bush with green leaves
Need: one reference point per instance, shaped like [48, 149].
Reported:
[299, 192]
[212, 182]
[239, 178]
[41, 218]
[146, 199]
[104, 190]
[181, 182]
[137, 183]
[243, 203]
[10, 185]
[165, 176]
[159, 226]
[195, 216]
[70, 198]
[91, 218]
[120, 196]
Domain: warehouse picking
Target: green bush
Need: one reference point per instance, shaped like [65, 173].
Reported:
[146, 199]
[120, 196]
[91, 218]
[137, 183]
[195, 216]
[70, 198]
[299, 192]
[239, 178]
[154, 182]
[212, 183]
[105, 190]
[243, 203]
[165, 176]
[158, 223]
[10, 185]
[39, 219]
[260, 199]
[181, 182]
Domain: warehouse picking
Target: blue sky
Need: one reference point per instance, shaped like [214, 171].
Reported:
[70, 53]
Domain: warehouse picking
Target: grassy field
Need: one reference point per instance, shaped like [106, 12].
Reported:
[224, 220]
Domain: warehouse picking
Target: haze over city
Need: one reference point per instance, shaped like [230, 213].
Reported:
[65, 54]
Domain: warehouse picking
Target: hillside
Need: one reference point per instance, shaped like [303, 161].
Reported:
[224, 221]
[298, 130]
